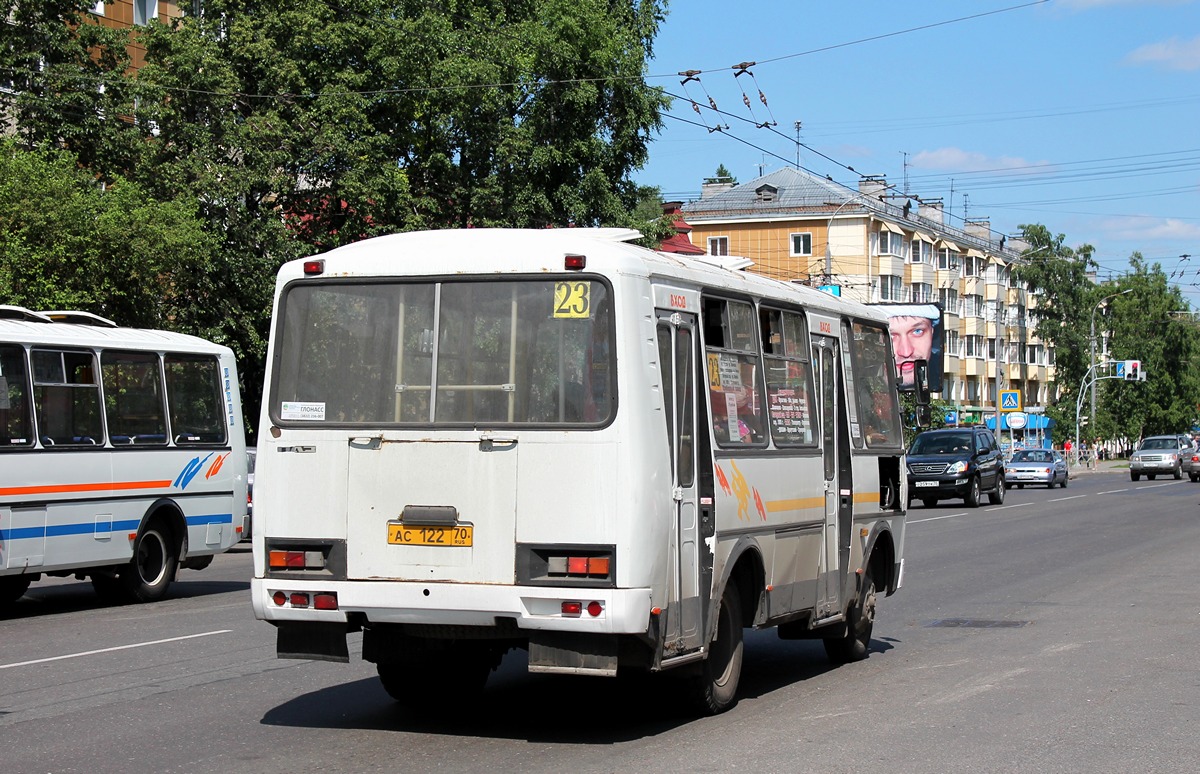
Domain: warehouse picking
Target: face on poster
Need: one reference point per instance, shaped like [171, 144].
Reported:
[918, 333]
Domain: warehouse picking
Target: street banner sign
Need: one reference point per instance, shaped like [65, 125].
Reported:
[1016, 419]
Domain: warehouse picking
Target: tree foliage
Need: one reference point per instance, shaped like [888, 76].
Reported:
[1148, 323]
[294, 126]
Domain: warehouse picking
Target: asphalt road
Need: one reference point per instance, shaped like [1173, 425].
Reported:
[1055, 633]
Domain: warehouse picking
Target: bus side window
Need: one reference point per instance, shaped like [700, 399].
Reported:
[16, 421]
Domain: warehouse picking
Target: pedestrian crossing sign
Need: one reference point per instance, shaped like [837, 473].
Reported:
[1010, 400]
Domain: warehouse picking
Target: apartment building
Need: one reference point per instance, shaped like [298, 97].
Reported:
[123, 14]
[877, 246]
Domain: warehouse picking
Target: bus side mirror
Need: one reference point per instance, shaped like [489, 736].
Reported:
[924, 416]
[921, 382]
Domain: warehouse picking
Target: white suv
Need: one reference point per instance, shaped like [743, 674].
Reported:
[1161, 454]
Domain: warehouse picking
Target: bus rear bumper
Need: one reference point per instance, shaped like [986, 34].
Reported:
[600, 610]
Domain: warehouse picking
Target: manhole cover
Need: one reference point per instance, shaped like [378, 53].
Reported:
[974, 623]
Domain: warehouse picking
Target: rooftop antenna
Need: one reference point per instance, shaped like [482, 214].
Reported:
[905, 155]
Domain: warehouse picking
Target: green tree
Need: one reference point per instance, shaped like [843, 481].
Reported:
[1152, 324]
[68, 243]
[1060, 276]
[722, 175]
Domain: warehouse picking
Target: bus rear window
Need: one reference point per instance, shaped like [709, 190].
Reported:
[533, 351]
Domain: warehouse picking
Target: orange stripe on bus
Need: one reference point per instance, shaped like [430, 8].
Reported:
[100, 487]
[775, 506]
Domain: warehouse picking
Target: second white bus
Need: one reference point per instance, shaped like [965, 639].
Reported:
[122, 456]
[554, 440]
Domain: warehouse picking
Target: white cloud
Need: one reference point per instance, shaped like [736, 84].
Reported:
[959, 160]
[1173, 54]
[1150, 229]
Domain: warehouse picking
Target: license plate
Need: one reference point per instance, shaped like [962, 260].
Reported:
[458, 535]
[925, 483]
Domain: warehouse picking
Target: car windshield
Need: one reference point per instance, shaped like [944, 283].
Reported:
[1160, 443]
[1032, 456]
[941, 443]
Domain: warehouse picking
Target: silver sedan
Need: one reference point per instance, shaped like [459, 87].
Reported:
[1037, 466]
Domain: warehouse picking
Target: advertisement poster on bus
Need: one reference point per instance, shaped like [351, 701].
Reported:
[918, 333]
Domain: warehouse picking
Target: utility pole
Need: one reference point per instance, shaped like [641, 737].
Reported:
[797, 145]
[1092, 357]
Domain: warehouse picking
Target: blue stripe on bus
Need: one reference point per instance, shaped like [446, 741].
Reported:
[129, 525]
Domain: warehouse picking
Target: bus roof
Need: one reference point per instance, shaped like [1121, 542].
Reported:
[47, 331]
[534, 251]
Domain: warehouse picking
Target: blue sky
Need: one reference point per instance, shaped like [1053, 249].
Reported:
[1081, 115]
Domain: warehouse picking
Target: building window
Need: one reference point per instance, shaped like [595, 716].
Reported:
[973, 346]
[144, 11]
[802, 244]
[953, 344]
[922, 251]
[947, 259]
[973, 305]
[922, 293]
[890, 244]
[890, 287]
[718, 245]
[948, 298]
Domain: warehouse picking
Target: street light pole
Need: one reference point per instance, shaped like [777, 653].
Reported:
[1092, 357]
[829, 242]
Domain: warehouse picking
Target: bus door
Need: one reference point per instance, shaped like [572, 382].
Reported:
[827, 362]
[677, 347]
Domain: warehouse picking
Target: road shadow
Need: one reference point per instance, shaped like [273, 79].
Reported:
[537, 708]
[56, 596]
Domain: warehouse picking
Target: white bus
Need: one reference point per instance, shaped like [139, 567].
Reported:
[614, 458]
[122, 458]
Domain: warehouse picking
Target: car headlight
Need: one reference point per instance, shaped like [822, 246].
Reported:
[958, 467]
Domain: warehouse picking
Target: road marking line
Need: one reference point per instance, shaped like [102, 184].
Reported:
[918, 521]
[1152, 486]
[109, 650]
[1114, 491]
[1064, 499]
[1002, 507]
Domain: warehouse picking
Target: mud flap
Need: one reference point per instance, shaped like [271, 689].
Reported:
[314, 641]
[574, 654]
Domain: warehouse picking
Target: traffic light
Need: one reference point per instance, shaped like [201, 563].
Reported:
[1133, 371]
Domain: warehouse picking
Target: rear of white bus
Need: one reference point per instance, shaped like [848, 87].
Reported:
[441, 464]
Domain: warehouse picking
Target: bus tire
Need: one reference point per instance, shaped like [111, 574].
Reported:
[446, 672]
[860, 622]
[714, 688]
[149, 573]
[13, 587]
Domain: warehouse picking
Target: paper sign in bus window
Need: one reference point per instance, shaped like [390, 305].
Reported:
[303, 410]
[572, 300]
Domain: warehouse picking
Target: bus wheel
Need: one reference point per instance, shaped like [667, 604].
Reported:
[149, 573]
[715, 687]
[13, 587]
[445, 672]
[860, 621]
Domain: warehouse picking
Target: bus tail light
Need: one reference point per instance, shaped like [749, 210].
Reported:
[575, 262]
[296, 560]
[316, 266]
[574, 609]
[579, 566]
[572, 565]
[325, 600]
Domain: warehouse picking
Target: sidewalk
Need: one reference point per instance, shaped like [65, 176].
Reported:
[1103, 466]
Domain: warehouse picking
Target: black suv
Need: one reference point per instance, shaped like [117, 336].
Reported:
[955, 462]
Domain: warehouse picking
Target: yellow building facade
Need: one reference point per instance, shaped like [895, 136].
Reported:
[878, 247]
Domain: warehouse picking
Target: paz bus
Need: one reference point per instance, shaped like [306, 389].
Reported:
[122, 458]
[614, 458]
